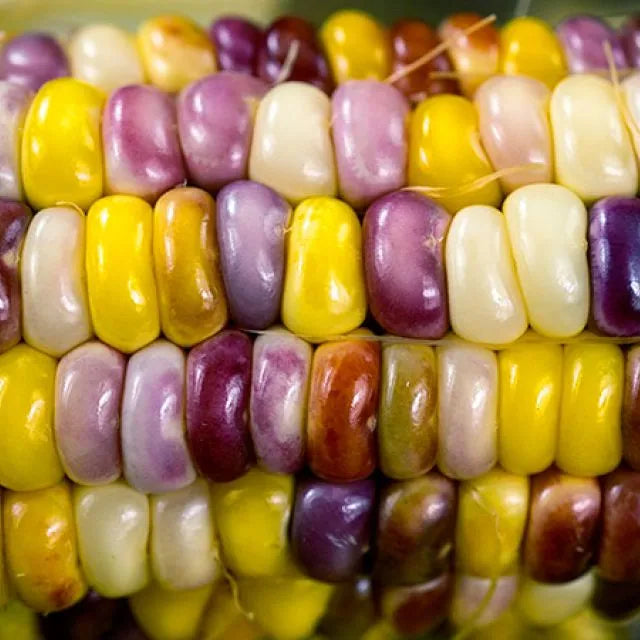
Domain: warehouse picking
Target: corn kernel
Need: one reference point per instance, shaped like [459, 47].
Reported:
[445, 151]
[169, 615]
[184, 551]
[29, 457]
[223, 619]
[492, 513]
[175, 51]
[57, 277]
[287, 608]
[18, 621]
[41, 548]
[529, 47]
[122, 290]
[589, 437]
[61, 145]
[105, 56]
[529, 406]
[324, 291]
[578, 131]
[190, 291]
[264, 500]
[113, 529]
[474, 56]
[356, 45]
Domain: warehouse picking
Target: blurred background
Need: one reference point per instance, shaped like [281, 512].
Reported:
[62, 15]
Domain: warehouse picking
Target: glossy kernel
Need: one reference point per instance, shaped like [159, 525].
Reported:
[175, 51]
[578, 131]
[343, 35]
[291, 149]
[410, 40]
[29, 458]
[614, 254]
[589, 437]
[341, 420]
[528, 46]
[513, 118]
[58, 277]
[287, 608]
[331, 527]
[154, 448]
[474, 56]
[467, 410]
[529, 406]
[619, 553]
[122, 289]
[485, 301]
[415, 529]
[492, 514]
[564, 516]
[61, 145]
[445, 151]
[105, 56]
[217, 400]
[167, 614]
[41, 548]
[407, 413]
[183, 547]
[278, 403]
[113, 531]
[14, 104]
[631, 409]
[265, 500]
[191, 295]
[547, 226]
[14, 220]
[89, 383]
[324, 292]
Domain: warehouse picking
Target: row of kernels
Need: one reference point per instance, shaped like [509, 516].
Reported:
[419, 523]
[143, 270]
[373, 154]
[171, 51]
[113, 538]
[215, 410]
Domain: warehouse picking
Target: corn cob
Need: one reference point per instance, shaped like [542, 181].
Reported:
[132, 271]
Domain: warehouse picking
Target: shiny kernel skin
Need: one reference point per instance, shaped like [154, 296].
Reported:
[530, 378]
[589, 436]
[492, 514]
[356, 46]
[61, 145]
[29, 459]
[119, 263]
[112, 523]
[175, 51]
[324, 290]
[631, 409]
[287, 608]
[529, 47]
[561, 536]
[18, 621]
[14, 220]
[4, 583]
[41, 548]
[407, 411]
[445, 151]
[341, 418]
[619, 553]
[415, 530]
[169, 615]
[191, 295]
[474, 56]
[264, 500]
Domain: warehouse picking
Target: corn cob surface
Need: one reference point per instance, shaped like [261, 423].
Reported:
[300, 341]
